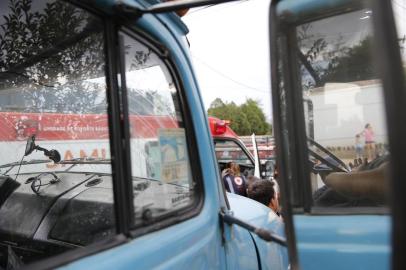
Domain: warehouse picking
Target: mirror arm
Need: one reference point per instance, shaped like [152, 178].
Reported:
[262, 233]
[52, 154]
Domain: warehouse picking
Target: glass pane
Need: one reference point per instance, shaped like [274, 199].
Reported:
[399, 11]
[56, 194]
[162, 177]
[344, 111]
[230, 151]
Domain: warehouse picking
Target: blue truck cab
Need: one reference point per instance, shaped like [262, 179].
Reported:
[107, 159]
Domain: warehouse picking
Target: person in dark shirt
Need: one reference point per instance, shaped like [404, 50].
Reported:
[234, 181]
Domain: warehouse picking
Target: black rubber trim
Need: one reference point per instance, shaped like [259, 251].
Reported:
[122, 194]
[389, 63]
[281, 158]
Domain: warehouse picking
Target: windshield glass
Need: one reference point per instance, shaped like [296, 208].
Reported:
[53, 88]
[230, 151]
[343, 102]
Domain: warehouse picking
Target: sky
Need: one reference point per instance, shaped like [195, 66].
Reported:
[230, 51]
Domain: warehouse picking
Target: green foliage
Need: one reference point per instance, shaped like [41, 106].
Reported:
[245, 119]
[39, 52]
[353, 64]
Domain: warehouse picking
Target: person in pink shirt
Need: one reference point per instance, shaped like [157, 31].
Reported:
[369, 136]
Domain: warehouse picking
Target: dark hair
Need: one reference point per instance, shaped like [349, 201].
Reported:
[262, 191]
[367, 125]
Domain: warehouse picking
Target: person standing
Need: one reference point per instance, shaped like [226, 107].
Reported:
[358, 147]
[234, 181]
[369, 147]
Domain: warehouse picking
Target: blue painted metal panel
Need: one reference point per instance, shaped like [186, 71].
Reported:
[193, 244]
[272, 255]
[343, 242]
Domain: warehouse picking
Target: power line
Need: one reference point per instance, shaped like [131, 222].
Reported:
[229, 78]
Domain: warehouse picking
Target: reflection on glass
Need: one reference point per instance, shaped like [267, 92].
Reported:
[228, 151]
[344, 110]
[399, 11]
[162, 178]
[52, 86]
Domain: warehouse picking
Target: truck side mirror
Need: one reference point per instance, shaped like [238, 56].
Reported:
[268, 169]
[30, 146]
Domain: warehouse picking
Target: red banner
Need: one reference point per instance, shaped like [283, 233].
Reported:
[53, 126]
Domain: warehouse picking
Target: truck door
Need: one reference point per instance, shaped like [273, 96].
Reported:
[341, 160]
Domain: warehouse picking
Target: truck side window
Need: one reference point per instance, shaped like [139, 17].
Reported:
[344, 111]
[229, 151]
[52, 79]
[162, 177]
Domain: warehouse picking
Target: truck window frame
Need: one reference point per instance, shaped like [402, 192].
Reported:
[299, 169]
[194, 159]
[394, 84]
[244, 149]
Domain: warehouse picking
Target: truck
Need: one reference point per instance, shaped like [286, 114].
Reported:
[250, 152]
[107, 158]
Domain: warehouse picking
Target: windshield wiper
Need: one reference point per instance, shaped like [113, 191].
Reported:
[84, 160]
[17, 163]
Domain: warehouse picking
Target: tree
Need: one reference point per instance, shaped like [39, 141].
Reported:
[217, 103]
[333, 62]
[256, 117]
[245, 119]
[50, 54]
[353, 64]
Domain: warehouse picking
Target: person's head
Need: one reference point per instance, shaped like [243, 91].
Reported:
[234, 168]
[263, 191]
[368, 125]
